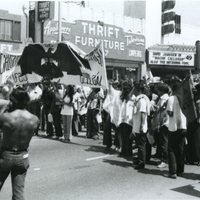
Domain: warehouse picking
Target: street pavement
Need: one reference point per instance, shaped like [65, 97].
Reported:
[84, 170]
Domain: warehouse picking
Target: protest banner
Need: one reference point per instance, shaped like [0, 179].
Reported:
[65, 63]
[77, 68]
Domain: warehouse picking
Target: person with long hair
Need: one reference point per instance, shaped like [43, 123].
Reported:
[67, 113]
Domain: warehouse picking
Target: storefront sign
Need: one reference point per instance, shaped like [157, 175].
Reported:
[171, 58]
[87, 34]
[9, 46]
[45, 10]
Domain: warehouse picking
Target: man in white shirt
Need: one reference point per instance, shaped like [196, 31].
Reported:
[141, 110]
[177, 132]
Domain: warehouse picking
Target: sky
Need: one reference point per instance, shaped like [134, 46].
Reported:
[188, 8]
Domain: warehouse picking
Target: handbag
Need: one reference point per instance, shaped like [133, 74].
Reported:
[150, 138]
[50, 117]
[99, 118]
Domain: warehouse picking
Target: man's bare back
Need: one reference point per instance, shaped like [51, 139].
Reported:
[18, 128]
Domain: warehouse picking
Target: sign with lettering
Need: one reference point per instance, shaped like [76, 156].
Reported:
[87, 34]
[171, 58]
[45, 10]
[94, 76]
[9, 70]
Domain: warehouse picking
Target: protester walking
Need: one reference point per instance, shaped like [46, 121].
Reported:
[14, 156]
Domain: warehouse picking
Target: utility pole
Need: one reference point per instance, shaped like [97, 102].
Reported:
[59, 22]
[27, 21]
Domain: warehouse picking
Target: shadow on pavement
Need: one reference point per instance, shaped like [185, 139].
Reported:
[186, 175]
[118, 163]
[192, 190]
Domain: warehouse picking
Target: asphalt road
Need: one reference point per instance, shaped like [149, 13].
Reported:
[83, 170]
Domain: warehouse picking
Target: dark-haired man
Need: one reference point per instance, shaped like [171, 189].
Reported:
[17, 127]
[141, 110]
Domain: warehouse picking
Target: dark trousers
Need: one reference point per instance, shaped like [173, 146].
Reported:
[157, 143]
[176, 143]
[125, 131]
[107, 136]
[192, 148]
[75, 122]
[49, 125]
[163, 139]
[141, 140]
[92, 124]
[42, 120]
[148, 150]
[57, 123]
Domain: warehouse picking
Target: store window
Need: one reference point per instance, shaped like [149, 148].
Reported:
[10, 30]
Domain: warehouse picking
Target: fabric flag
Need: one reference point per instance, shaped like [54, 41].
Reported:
[66, 63]
[96, 76]
[186, 99]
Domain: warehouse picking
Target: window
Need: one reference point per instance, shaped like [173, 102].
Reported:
[10, 30]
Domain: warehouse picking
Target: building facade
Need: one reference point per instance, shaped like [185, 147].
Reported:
[122, 37]
[12, 31]
[172, 53]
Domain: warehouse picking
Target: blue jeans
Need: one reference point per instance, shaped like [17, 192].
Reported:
[17, 164]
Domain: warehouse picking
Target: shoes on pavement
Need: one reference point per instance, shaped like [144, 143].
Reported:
[135, 162]
[162, 165]
[140, 166]
[95, 137]
[180, 174]
[107, 148]
[61, 138]
[67, 140]
[54, 137]
[88, 136]
[174, 176]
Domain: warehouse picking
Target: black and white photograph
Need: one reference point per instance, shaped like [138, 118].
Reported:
[100, 100]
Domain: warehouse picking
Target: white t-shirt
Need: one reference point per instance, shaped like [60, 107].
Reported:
[66, 109]
[178, 120]
[126, 112]
[35, 93]
[139, 108]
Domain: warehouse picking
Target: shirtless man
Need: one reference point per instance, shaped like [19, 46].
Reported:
[17, 128]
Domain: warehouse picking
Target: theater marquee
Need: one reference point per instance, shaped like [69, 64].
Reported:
[171, 58]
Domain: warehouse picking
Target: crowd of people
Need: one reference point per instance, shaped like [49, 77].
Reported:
[142, 115]
[63, 110]
[138, 112]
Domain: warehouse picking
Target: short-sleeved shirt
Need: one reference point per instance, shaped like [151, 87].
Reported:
[178, 120]
[139, 108]
[66, 109]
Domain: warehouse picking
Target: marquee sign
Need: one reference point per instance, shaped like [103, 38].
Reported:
[171, 58]
[87, 34]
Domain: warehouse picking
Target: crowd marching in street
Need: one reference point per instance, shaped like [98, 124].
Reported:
[148, 113]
